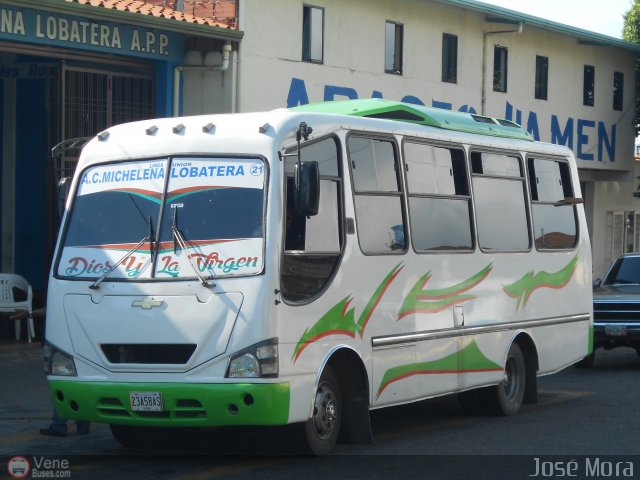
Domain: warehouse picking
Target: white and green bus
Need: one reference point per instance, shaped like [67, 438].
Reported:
[306, 266]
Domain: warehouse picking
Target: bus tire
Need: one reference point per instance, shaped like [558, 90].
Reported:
[509, 393]
[586, 362]
[323, 428]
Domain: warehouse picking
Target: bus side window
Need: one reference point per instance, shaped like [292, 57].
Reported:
[439, 200]
[312, 245]
[500, 202]
[377, 195]
[554, 225]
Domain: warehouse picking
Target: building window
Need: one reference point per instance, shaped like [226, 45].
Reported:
[312, 34]
[449, 58]
[618, 87]
[588, 91]
[542, 77]
[393, 48]
[625, 233]
[500, 69]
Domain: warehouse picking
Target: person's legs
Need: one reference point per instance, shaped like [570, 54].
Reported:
[82, 427]
[58, 427]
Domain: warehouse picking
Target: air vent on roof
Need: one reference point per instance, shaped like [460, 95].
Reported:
[481, 119]
[507, 123]
[397, 115]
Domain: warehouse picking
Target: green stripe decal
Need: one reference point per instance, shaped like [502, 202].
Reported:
[375, 299]
[468, 360]
[138, 192]
[522, 289]
[337, 321]
[432, 301]
[340, 320]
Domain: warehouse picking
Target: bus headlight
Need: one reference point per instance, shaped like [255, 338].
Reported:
[57, 362]
[258, 361]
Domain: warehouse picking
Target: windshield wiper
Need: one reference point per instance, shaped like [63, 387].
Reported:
[179, 239]
[148, 238]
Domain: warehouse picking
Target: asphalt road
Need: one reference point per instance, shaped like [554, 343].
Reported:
[590, 416]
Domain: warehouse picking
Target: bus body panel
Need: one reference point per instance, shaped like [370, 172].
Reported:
[420, 324]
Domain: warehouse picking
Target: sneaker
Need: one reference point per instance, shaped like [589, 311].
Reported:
[52, 432]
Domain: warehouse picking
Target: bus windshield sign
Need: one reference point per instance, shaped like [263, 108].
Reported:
[125, 217]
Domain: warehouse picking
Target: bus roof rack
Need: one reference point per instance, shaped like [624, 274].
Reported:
[421, 115]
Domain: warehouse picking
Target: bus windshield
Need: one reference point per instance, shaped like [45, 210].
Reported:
[165, 219]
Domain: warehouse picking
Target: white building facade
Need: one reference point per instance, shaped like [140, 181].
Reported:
[565, 85]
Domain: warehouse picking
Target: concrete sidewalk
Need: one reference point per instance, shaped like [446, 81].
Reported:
[24, 396]
[26, 407]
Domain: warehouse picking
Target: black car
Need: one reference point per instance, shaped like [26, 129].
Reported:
[616, 306]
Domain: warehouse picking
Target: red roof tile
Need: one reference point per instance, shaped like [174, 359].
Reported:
[160, 11]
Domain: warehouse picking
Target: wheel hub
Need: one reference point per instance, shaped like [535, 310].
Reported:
[325, 411]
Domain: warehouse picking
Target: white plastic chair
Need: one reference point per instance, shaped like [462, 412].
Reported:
[16, 294]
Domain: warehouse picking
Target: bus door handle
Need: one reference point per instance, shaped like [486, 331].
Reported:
[458, 316]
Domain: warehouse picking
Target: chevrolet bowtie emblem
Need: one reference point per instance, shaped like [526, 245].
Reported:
[146, 303]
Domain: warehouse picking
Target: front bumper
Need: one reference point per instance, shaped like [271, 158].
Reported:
[184, 405]
[604, 335]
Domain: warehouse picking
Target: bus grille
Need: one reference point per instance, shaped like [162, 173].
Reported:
[616, 311]
[159, 353]
[184, 408]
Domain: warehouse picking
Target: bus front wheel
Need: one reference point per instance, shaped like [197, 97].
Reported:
[323, 428]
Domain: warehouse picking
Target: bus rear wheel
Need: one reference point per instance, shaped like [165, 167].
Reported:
[509, 393]
[323, 428]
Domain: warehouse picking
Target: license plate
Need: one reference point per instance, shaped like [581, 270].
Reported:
[615, 330]
[145, 401]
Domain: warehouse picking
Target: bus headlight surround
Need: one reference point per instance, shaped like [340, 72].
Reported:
[57, 362]
[257, 361]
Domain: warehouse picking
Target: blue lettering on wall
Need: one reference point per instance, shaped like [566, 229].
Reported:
[297, 93]
[559, 134]
[443, 105]
[331, 91]
[532, 126]
[583, 138]
[411, 99]
[467, 109]
[603, 139]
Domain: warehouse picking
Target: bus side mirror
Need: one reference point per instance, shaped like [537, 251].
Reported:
[61, 196]
[306, 198]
